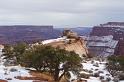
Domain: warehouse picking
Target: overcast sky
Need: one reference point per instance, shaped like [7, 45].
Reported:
[60, 12]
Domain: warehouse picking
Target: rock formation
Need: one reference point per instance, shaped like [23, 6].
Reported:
[101, 45]
[70, 42]
[116, 29]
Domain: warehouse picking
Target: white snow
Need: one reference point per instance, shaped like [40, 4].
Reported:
[102, 38]
[104, 41]
[109, 44]
[53, 40]
[113, 24]
[90, 65]
[21, 71]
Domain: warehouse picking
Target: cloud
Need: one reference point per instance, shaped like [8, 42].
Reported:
[60, 12]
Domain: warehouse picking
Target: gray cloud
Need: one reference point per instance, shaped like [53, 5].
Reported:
[60, 12]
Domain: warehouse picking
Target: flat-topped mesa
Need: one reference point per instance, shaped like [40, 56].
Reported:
[26, 33]
[116, 23]
[112, 24]
[111, 28]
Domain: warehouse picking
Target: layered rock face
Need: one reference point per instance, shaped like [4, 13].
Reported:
[102, 45]
[120, 48]
[116, 29]
[111, 28]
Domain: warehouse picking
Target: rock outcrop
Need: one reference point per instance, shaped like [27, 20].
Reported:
[70, 42]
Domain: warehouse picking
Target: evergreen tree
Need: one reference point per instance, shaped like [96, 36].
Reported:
[58, 62]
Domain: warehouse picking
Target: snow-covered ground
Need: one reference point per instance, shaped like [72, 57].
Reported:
[53, 40]
[97, 66]
[7, 73]
[92, 67]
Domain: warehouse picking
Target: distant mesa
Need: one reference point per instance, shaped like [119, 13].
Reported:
[113, 24]
[26, 33]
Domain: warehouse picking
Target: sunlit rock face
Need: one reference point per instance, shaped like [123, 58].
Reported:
[69, 41]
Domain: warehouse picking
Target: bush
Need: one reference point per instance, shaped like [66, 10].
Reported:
[121, 76]
[108, 79]
[83, 75]
[116, 63]
[96, 74]
[13, 70]
[101, 77]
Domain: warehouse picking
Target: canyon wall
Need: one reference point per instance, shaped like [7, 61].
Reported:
[116, 29]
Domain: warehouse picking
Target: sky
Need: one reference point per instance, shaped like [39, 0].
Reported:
[60, 13]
